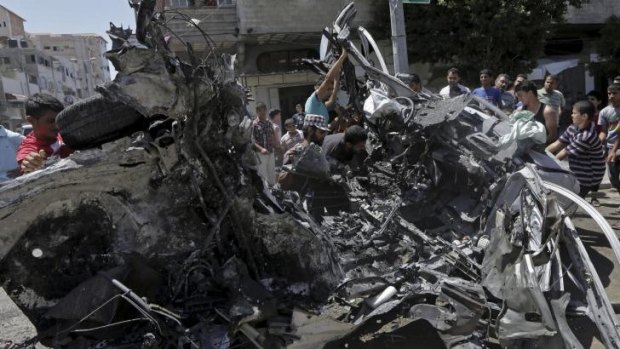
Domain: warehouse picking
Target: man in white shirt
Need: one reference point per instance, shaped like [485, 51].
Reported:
[454, 88]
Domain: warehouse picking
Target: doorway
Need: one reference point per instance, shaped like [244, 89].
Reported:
[291, 96]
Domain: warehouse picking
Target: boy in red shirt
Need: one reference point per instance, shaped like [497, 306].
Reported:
[44, 140]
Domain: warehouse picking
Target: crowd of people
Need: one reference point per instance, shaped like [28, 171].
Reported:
[590, 143]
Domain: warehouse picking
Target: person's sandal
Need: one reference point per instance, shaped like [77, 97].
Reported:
[595, 203]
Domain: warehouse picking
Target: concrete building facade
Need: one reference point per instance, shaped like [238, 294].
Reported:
[269, 38]
[11, 24]
[57, 67]
[85, 50]
[25, 71]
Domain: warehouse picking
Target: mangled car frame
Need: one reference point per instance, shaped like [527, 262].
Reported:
[159, 233]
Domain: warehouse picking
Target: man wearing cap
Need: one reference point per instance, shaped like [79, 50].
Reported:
[325, 90]
[264, 141]
[314, 130]
[292, 137]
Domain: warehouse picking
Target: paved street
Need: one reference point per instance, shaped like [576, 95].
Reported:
[601, 254]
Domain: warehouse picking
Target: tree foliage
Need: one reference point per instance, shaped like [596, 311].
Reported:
[503, 35]
[608, 49]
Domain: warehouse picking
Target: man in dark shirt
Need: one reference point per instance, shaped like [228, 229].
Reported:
[341, 148]
[307, 172]
[527, 93]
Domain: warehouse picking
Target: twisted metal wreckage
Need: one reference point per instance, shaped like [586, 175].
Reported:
[170, 239]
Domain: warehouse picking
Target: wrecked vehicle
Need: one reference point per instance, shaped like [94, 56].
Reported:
[169, 238]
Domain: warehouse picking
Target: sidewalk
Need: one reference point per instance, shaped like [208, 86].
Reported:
[602, 256]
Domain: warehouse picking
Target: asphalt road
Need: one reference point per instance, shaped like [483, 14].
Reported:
[600, 253]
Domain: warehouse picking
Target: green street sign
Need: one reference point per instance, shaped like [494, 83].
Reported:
[419, 2]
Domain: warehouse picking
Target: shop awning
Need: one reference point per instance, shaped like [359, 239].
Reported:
[552, 67]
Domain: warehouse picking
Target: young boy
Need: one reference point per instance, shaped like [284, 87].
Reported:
[44, 140]
[583, 148]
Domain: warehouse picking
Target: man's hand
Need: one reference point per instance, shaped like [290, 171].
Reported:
[264, 151]
[611, 157]
[33, 161]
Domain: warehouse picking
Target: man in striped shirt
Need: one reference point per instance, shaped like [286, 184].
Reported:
[583, 148]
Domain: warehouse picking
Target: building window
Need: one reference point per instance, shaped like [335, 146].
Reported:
[283, 61]
[32, 79]
[46, 47]
[23, 44]
[5, 60]
[179, 3]
[12, 43]
[54, 48]
[4, 23]
[31, 59]
[225, 3]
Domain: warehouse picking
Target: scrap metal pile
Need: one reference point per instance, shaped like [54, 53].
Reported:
[168, 238]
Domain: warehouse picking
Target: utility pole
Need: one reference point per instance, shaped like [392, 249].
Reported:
[399, 39]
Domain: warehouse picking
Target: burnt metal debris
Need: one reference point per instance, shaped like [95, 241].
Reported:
[168, 238]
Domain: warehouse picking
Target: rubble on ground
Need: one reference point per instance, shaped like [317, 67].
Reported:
[170, 239]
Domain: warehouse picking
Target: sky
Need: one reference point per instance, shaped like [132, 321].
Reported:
[72, 16]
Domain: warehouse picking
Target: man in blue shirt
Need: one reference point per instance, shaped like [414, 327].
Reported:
[9, 142]
[486, 90]
[325, 90]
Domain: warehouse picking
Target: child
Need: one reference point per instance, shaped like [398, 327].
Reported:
[581, 144]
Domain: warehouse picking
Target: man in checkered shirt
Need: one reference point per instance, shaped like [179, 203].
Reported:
[264, 140]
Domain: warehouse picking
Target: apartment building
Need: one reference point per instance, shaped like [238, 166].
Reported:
[85, 50]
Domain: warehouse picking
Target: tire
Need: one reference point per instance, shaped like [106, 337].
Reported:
[96, 120]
